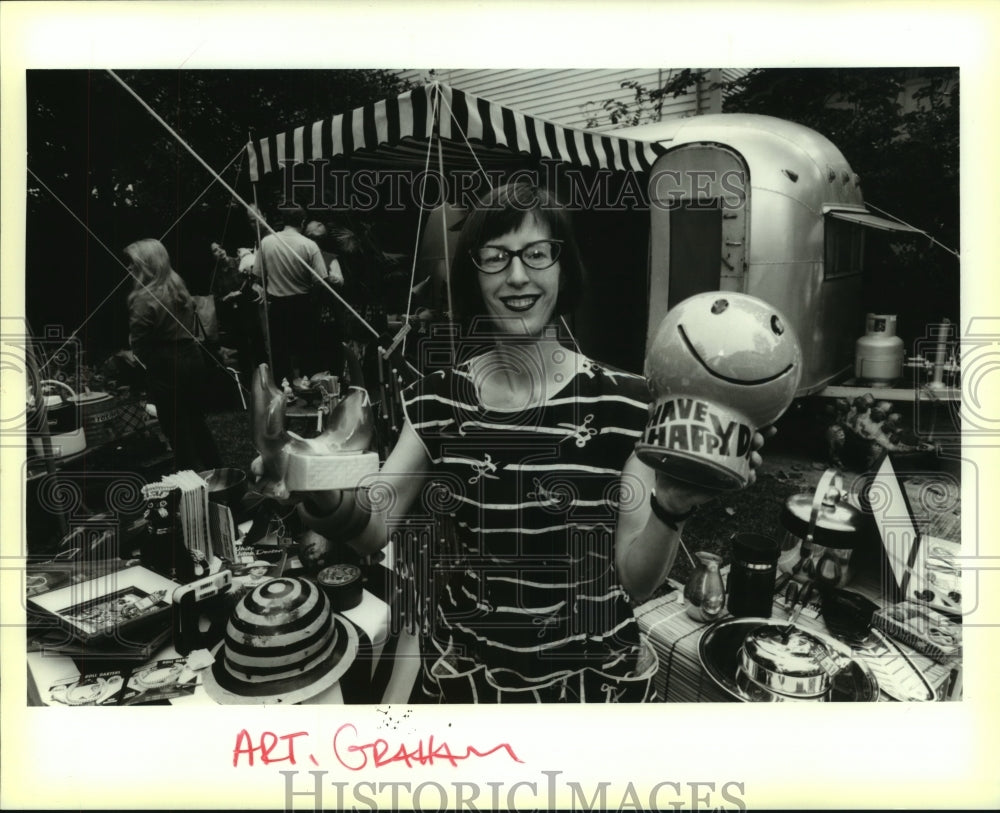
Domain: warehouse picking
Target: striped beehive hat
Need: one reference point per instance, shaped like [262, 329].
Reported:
[282, 645]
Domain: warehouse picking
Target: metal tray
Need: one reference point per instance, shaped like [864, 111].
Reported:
[903, 679]
[719, 652]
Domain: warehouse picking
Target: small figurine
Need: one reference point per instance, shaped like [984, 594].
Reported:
[836, 437]
[862, 430]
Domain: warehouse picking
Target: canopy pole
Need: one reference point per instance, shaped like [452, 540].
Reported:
[465, 138]
[444, 225]
[263, 271]
[204, 191]
[420, 220]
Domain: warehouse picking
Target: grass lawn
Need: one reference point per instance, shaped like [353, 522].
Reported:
[233, 436]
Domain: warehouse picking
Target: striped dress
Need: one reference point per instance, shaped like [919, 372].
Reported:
[525, 602]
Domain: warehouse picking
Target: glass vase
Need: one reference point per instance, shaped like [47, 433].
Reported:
[704, 593]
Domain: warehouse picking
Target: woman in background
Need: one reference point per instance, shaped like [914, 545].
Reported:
[162, 333]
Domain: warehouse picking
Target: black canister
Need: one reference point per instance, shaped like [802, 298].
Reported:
[343, 585]
[751, 575]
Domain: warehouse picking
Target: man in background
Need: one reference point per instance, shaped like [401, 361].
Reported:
[290, 263]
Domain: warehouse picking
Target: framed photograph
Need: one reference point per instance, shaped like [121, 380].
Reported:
[112, 606]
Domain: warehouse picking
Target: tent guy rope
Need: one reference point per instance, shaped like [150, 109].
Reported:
[117, 259]
[202, 194]
[236, 195]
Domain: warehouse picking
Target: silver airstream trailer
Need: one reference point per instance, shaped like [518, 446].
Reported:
[737, 202]
[766, 207]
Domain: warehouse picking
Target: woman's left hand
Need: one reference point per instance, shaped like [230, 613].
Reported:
[756, 461]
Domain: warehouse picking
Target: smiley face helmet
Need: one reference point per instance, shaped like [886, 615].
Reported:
[720, 366]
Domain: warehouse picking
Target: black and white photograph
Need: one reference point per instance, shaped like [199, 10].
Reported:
[417, 386]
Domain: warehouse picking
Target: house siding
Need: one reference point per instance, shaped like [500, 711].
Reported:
[571, 97]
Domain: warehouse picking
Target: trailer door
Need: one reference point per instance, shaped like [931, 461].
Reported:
[695, 234]
[698, 226]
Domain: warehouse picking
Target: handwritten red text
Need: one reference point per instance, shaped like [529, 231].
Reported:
[357, 756]
[270, 747]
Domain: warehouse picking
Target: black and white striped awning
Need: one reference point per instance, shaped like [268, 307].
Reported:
[398, 125]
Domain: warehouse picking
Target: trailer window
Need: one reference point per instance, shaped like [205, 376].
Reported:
[844, 249]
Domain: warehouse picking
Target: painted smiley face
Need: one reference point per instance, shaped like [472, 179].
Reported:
[728, 348]
[737, 339]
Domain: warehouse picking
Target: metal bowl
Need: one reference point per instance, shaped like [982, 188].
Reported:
[225, 485]
[719, 651]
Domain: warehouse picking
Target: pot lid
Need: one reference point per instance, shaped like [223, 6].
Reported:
[792, 653]
[838, 525]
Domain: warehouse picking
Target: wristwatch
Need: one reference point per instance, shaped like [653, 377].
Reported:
[665, 516]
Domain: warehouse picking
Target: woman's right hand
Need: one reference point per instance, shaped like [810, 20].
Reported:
[677, 497]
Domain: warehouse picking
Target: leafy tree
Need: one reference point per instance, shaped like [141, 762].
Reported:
[906, 154]
[103, 172]
[646, 104]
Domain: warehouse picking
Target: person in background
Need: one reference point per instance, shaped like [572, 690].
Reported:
[317, 231]
[238, 295]
[225, 287]
[332, 312]
[362, 263]
[162, 329]
[289, 263]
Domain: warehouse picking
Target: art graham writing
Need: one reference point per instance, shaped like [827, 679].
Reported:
[350, 751]
[348, 754]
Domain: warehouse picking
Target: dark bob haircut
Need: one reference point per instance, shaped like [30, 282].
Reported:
[504, 210]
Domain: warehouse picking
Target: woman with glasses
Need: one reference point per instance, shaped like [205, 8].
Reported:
[512, 460]
[162, 334]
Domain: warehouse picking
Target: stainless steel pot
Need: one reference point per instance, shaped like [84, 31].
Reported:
[796, 665]
[720, 649]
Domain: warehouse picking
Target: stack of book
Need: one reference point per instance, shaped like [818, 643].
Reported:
[193, 511]
[207, 527]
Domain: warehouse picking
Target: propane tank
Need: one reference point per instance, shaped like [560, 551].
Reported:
[878, 355]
